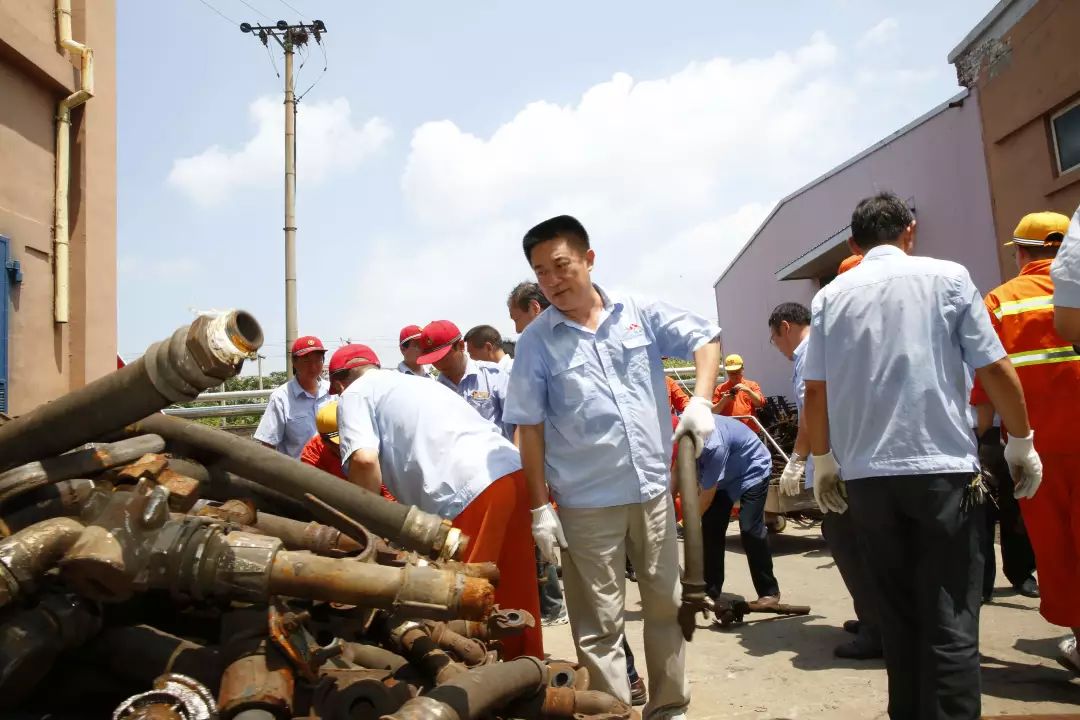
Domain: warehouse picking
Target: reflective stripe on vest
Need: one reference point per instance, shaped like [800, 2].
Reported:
[1045, 356]
[1015, 307]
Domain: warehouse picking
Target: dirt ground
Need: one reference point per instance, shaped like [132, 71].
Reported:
[783, 667]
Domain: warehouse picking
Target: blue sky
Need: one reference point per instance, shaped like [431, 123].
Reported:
[440, 132]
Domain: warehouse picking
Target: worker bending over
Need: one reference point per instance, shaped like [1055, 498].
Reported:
[433, 451]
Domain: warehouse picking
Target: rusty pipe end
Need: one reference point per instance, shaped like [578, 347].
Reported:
[243, 331]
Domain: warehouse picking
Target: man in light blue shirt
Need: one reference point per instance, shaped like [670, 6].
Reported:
[589, 397]
[886, 386]
[1065, 272]
[735, 467]
[482, 385]
[789, 332]
[289, 420]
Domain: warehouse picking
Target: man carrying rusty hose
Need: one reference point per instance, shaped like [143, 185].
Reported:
[588, 395]
[434, 451]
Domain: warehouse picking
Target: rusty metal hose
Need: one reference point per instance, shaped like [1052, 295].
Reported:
[566, 703]
[65, 498]
[474, 694]
[694, 599]
[403, 524]
[30, 553]
[195, 358]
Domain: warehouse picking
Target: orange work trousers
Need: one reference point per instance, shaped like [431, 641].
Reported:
[499, 525]
[1052, 519]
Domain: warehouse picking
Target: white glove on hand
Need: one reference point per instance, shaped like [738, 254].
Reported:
[547, 532]
[697, 422]
[791, 479]
[1024, 465]
[828, 487]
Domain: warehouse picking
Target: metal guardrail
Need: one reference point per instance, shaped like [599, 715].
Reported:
[217, 411]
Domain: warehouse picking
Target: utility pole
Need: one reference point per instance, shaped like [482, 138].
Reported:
[289, 37]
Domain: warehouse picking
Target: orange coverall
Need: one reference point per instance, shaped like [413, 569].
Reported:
[1022, 312]
[741, 404]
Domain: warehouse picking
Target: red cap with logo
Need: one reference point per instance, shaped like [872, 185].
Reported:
[436, 340]
[354, 355]
[409, 332]
[306, 345]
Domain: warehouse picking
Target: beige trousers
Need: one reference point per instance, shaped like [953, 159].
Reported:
[594, 576]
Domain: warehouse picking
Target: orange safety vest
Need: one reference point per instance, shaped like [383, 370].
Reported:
[1022, 313]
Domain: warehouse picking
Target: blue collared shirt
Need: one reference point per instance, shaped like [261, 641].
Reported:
[434, 451]
[733, 459]
[403, 368]
[484, 387]
[1065, 272]
[798, 386]
[602, 397]
[893, 339]
[289, 420]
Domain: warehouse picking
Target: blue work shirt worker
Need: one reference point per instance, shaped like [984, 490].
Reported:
[886, 388]
[735, 466]
[589, 397]
[1065, 272]
[289, 420]
[482, 385]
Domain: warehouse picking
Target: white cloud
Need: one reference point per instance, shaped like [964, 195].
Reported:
[671, 176]
[332, 142]
[879, 35]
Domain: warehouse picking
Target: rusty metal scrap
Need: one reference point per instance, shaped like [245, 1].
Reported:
[188, 574]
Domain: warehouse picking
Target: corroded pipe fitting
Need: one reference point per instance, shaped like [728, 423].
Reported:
[29, 553]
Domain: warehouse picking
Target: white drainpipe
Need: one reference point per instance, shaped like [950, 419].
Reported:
[62, 263]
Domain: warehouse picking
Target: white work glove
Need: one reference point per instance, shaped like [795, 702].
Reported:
[828, 487]
[697, 422]
[791, 479]
[547, 532]
[1024, 465]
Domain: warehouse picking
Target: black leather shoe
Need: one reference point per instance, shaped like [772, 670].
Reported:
[852, 626]
[638, 694]
[856, 650]
[1028, 588]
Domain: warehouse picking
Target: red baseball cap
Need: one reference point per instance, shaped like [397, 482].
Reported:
[436, 339]
[354, 355]
[409, 332]
[307, 344]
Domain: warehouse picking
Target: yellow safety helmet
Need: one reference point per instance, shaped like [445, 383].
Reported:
[326, 422]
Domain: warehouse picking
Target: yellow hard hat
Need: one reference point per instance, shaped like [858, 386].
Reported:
[326, 422]
[733, 362]
[1040, 229]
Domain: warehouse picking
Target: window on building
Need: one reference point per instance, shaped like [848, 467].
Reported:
[1065, 128]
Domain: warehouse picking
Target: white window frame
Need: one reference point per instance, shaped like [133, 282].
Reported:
[1053, 134]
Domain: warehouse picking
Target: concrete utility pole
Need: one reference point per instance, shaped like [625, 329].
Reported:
[289, 37]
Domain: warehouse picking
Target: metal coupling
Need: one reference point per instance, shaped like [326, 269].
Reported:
[446, 541]
[31, 552]
[173, 696]
[242, 569]
[424, 708]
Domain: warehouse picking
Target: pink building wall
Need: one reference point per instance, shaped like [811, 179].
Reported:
[938, 163]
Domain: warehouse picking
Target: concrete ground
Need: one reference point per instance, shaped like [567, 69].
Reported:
[783, 667]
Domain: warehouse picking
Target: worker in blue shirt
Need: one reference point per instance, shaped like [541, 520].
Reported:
[735, 466]
[289, 420]
[789, 332]
[886, 401]
[482, 385]
[589, 399]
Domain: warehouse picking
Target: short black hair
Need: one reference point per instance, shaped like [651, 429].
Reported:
[794, 313]
[524, 294]
[879, 219]
[482, 334]
[561, 226]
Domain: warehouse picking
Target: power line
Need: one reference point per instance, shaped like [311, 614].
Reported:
[300, 14]
[326, 63]
[223, 15]
[256, 9]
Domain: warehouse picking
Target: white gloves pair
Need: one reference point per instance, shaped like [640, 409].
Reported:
[547, 532]
[828, 487]
[791, 479]
[697, 422]
[1024, 465]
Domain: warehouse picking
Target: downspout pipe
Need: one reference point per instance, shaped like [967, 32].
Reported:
[61, 241]
[196, 357]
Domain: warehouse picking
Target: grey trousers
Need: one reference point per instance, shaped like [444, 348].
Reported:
[594, 576]
[849, 553]
[923, 543]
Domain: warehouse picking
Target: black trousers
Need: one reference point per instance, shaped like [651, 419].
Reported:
[1017, 557]
[849, 553]
[754, 535]
[923, 544]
